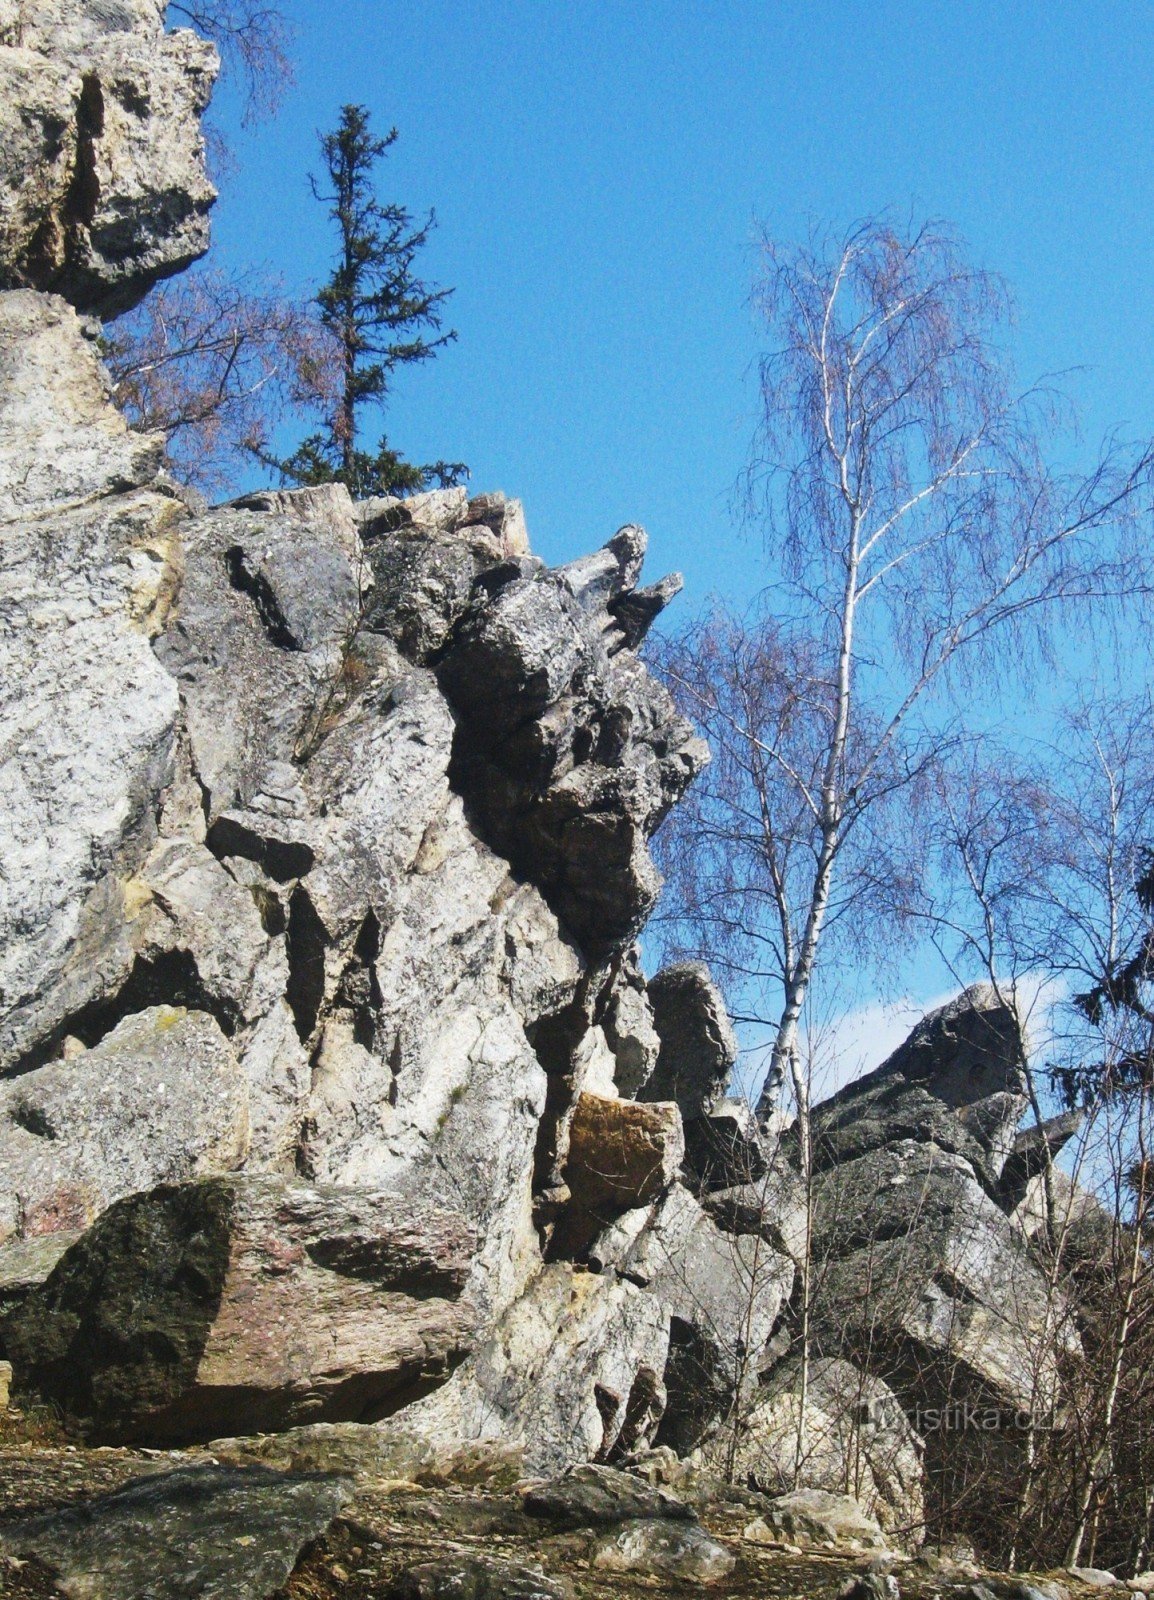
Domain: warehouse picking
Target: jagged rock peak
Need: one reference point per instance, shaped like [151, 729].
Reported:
[326, 843]
[571, 754]
[957, 1080]
[103, 188]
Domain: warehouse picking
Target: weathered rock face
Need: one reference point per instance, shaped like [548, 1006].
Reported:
[102, 181]
[88, 568]
[957, 1081]
[570, 753]
[234, 1533]
[724, 1294]
[698, 1047]
[246, 1302]
[921, 1269]
[324, 847]
[239, 817]
[923, 1281]
[854, 1437]
[572, 1371]
[249, 897]
[323, 860]
[159, 1099]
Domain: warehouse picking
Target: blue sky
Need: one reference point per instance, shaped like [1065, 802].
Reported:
[598, 172]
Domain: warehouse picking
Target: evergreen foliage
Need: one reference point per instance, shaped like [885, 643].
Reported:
[379, 315]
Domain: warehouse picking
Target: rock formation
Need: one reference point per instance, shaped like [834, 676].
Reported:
[213, 1530]
[851, 1420]
[102, 181]
[246, 1302]
[325, 852]
[323, 861]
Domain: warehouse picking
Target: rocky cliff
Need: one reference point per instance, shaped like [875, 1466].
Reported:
[331, 1088]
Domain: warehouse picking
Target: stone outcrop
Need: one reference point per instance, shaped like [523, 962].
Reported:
[664, 1550]
[324, 860]
[88, 569]
[572, 1371]
[922, 1269]
[248, 1302]
[815, 1516]
[229, 1531]
[159, 1099]
[266, 835]
[923, 1279]
[724, 1294]
[326, 840]
[957, 1082]
[570, 753]
[854, 1434]
[698, 1047]
[1033, 1153]
[595, 1496]
[102, 181]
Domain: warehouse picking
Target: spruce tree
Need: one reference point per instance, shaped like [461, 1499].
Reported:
[381, 316]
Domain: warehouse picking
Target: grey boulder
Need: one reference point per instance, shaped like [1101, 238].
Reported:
[590, 1496]
[815, 1516]
[246, 1302]
[219, 1533]
[664, 1550]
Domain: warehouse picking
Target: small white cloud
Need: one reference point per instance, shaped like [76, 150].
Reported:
[863, 1038]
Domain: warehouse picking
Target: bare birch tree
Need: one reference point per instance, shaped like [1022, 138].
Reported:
[913, 527]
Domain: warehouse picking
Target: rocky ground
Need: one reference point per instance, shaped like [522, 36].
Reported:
[387, 1528]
